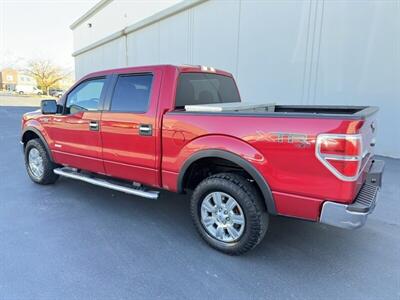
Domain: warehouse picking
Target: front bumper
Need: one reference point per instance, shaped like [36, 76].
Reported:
[351, 216]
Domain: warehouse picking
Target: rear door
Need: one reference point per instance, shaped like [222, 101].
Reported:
[128, 127]
[75, 132]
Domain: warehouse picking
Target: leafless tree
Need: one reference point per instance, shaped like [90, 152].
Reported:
[46, 73]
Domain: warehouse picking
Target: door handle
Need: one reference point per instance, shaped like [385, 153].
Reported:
[145, 129]
[94, 125]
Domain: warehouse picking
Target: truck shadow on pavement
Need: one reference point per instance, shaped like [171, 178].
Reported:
[168, 220]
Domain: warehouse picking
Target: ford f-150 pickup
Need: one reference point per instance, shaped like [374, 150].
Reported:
[184, 129]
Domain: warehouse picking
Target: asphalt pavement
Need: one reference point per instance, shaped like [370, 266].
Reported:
[72, 240]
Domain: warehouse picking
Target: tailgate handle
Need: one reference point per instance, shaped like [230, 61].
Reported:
[145, 129]
[373, 142]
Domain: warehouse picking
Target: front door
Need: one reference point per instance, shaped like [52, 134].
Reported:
[128, 128]
[76, 132]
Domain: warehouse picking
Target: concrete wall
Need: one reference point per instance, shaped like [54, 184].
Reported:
[290, 52]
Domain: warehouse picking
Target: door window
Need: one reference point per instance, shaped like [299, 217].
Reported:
[132, 93]
[85, 97]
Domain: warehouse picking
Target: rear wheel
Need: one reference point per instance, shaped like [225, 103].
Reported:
[228, 213]
[38, 164]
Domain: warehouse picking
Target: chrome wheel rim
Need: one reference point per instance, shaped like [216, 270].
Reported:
[222, 217]
[35, 163]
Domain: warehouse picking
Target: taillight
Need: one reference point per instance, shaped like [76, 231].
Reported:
[341, 154]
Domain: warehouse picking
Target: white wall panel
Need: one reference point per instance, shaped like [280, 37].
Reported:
[144, 46]
[215, 26]
[272, 50]
[360, 62]
[174, 39]
[110, 55]
[115, 16]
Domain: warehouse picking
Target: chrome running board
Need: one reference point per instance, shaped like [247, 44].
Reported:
[71, 173]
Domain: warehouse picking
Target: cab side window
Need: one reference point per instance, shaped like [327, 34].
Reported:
[132, 93]
[85, 97]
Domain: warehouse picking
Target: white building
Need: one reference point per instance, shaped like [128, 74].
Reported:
[289, 52]
[27, 80]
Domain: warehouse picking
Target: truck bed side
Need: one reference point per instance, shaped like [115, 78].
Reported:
[286, 155]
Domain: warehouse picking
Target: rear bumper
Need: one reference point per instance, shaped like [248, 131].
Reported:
[351, 216]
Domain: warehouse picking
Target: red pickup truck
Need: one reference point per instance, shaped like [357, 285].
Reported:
[184, 129]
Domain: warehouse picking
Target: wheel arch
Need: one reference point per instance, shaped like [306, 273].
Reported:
[235, 159]
[30, 133]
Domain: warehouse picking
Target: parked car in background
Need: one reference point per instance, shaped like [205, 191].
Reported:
[56, 92]
[27, 89]
[184, 129]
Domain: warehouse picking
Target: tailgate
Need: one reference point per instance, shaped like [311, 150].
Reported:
[349, 156]
[368, 136]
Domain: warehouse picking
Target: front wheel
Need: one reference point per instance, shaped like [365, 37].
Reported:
[229, 214]
[38, 164]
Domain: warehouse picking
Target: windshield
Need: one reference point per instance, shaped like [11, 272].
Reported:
[205, 88]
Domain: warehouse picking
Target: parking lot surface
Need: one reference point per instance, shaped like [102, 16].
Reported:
[73, 240]
[20, 100]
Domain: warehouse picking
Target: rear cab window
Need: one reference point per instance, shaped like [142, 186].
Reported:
[205, 88]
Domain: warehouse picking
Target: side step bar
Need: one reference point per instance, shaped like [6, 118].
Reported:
[70, 173]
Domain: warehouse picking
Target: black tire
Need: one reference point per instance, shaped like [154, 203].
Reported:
[246, 195]
[48, 177]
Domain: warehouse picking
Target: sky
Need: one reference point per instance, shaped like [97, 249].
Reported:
[37, 29]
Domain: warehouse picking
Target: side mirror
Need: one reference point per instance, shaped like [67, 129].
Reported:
[49, 107]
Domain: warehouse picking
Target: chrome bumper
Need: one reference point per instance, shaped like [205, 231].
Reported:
[352, 216]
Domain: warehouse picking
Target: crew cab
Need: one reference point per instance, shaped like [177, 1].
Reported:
[185, 129]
